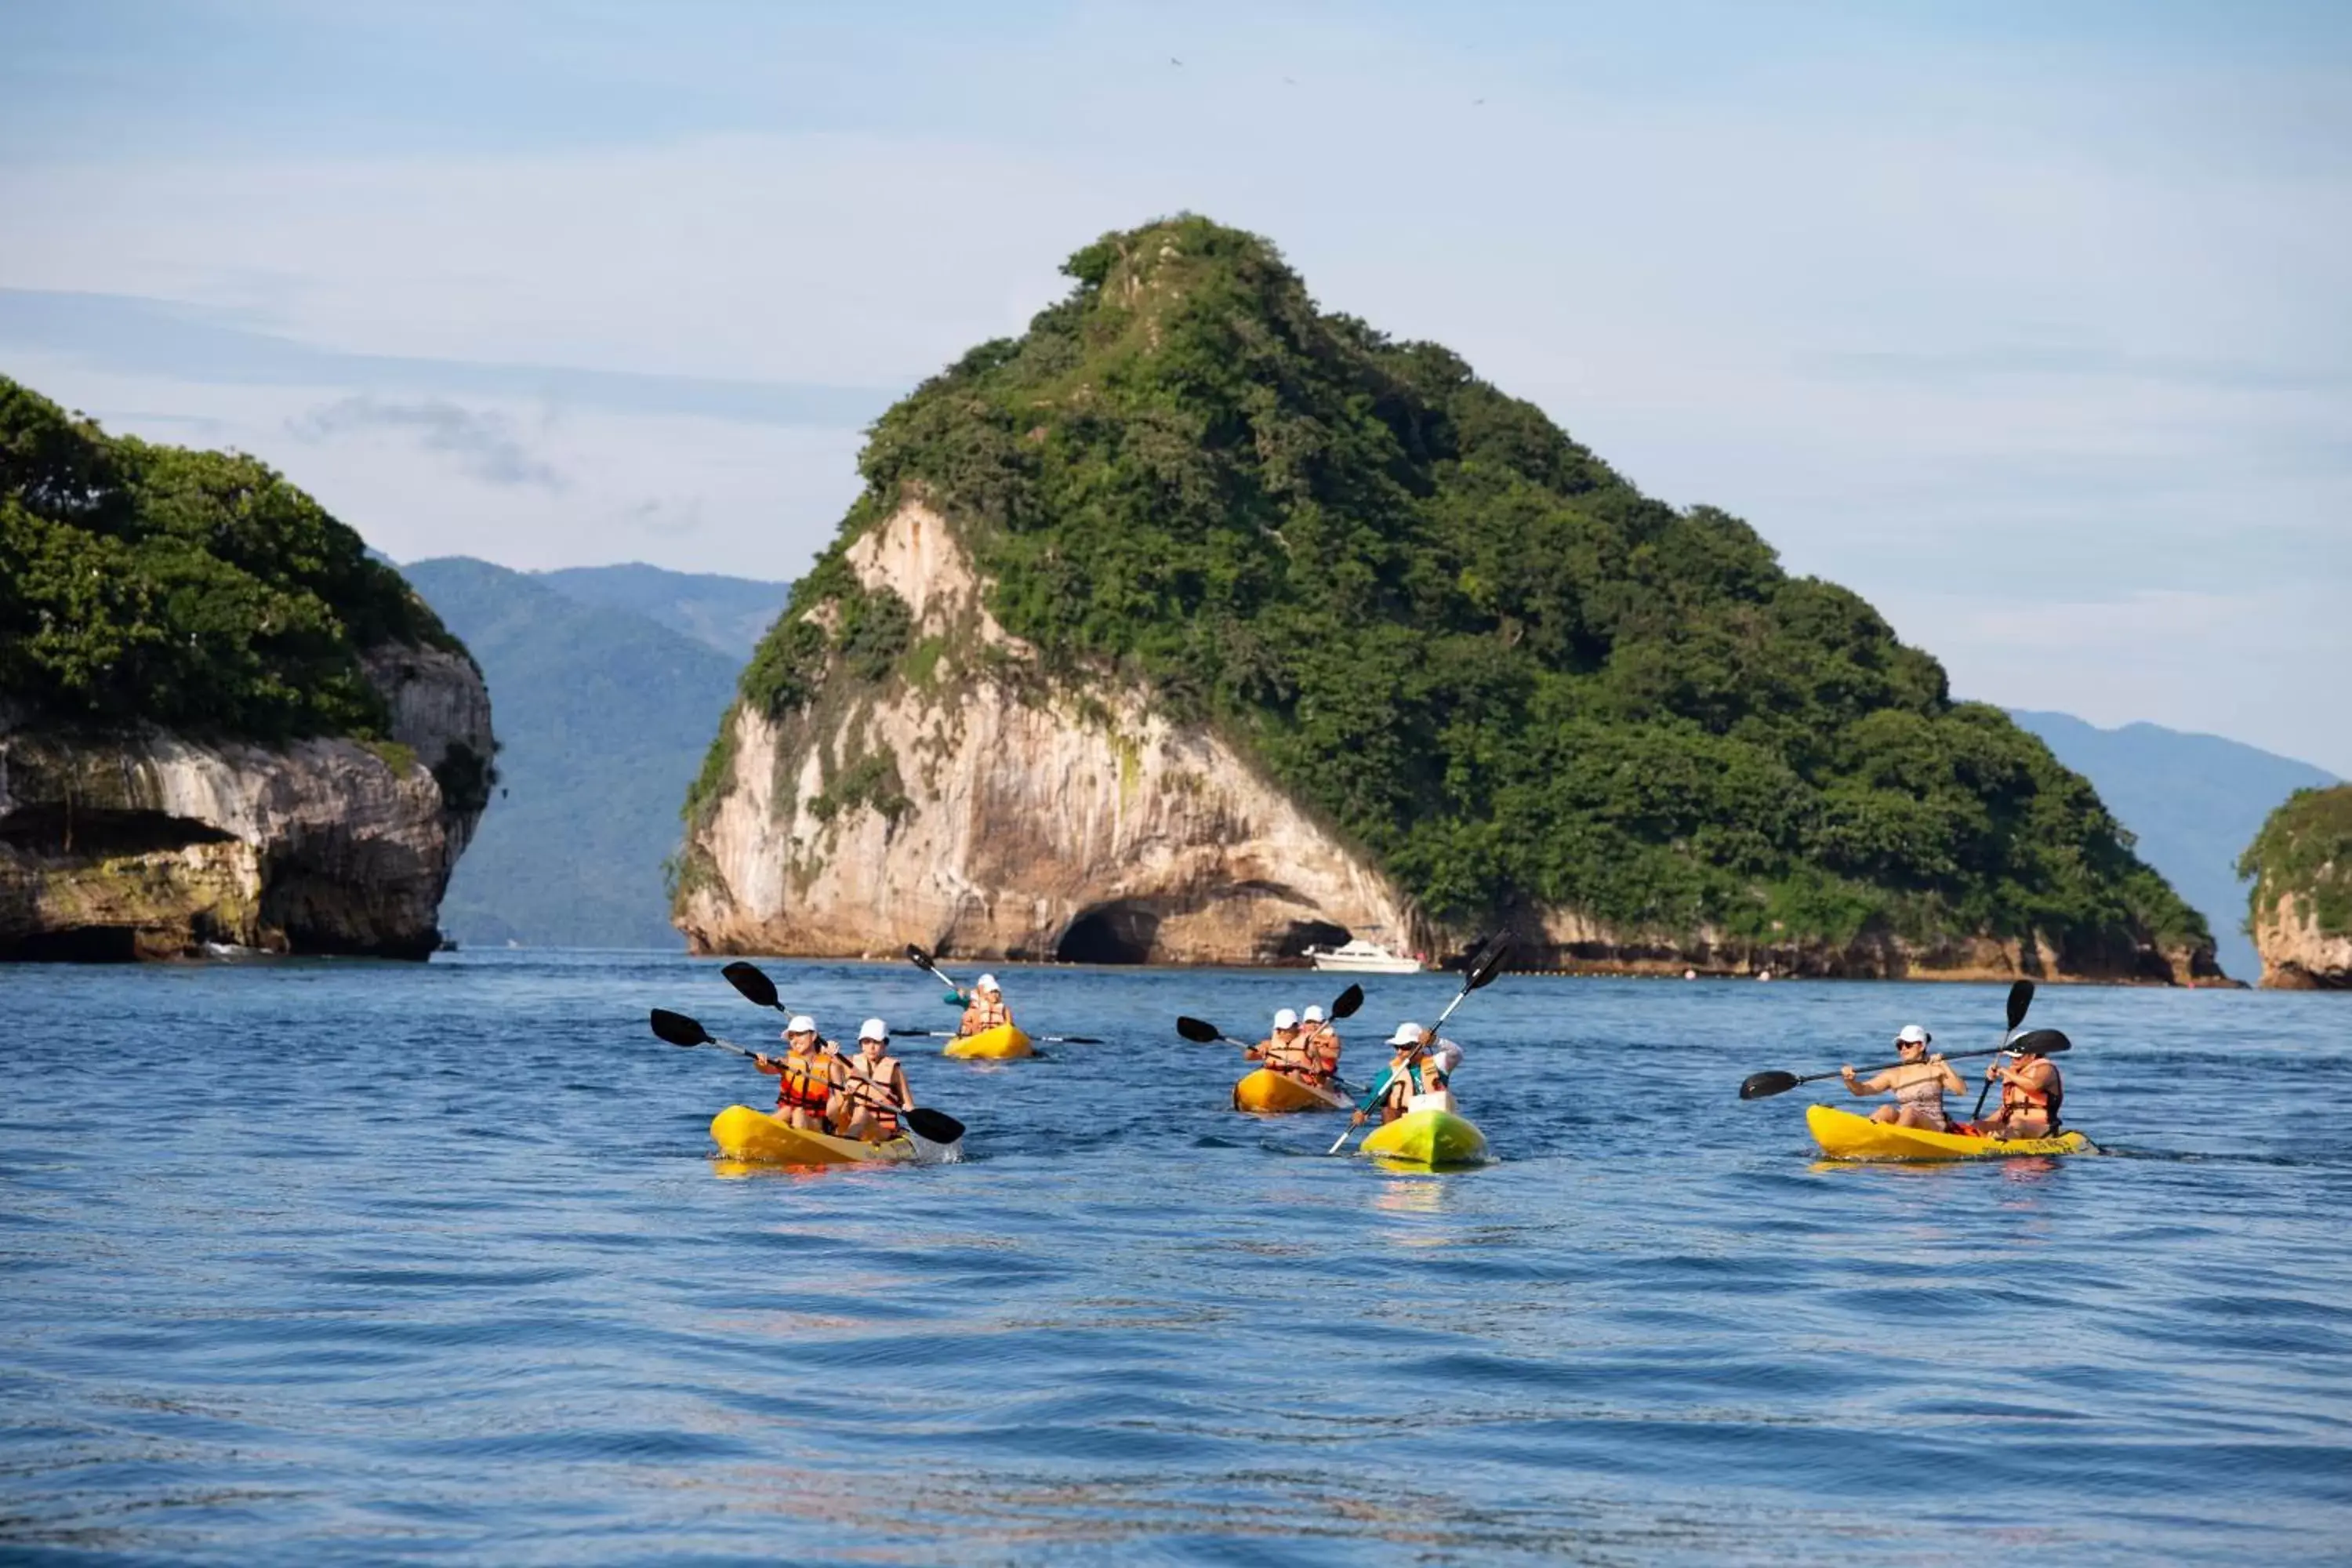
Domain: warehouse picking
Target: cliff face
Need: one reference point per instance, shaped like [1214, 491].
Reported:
[984, 812]
[141, 843]
[988, 811]
[2300, 909]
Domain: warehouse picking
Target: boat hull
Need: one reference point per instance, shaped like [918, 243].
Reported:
[1003, 1043]
[757, 1138]
[1269, 1093]
[1843, 1135]
[1434, 1139]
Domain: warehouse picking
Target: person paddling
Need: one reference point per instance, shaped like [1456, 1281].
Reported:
[2031, 1093]
[808, 1075]
[1320, 1043]
[874, 1086]
[1917, 1082]
[1284, 1050]
[984, 1008]
[1418, 1076]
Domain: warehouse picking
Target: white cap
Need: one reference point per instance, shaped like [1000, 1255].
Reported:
[874, 1029]
[1286, 1020]
[1313, 1015]
[802, 1024]
[1913, 1035]
[1407, 1034]
[988, 982]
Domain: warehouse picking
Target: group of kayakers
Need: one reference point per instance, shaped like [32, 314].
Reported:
[822, 1088]
[2031, 1092]
[1306, 1047]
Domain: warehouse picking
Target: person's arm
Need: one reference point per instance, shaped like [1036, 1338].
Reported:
[769, 1065]
[1859, 1089]
[906, 1094]
[1948, 1078]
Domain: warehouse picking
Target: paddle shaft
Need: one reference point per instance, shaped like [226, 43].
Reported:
[1888, 1066]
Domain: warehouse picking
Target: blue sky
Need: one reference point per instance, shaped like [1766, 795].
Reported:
[2028, 323]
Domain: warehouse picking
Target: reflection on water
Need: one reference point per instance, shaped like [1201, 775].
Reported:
[359, 1280]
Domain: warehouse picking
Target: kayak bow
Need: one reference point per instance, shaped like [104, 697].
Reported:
[1266, 1092]
[1429, 1138]
[1003, 1043]
[743, 1133]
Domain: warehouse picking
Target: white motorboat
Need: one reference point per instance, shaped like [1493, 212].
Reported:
[1361, 957]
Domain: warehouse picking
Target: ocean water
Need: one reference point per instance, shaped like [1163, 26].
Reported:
[344, 1261]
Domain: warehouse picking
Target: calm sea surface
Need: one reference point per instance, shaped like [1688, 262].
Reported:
[373, 1261]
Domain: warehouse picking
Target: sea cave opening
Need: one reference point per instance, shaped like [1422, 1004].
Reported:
[1294, 939]
[1111, 933]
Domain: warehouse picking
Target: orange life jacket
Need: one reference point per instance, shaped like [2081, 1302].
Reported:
[870, 1088]
[981, 1013]
[805, 1084]
[1322, 1048]
[2015, 1096]
[1289, 1055]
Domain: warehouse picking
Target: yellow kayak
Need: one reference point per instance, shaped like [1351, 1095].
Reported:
[743, 1133]
[1431, 1138]
[1843, 1135]
[1000, 1044]
[1269, 1093]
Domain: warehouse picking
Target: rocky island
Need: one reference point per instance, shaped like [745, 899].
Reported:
[2300, 908]
[221, 722]
[1198, 625]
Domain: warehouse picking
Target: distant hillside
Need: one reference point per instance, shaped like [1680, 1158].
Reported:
[2195, 801]
[604, 714]
[730, 614]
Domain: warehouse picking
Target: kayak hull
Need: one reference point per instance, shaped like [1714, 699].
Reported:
[1266, 1092]
[1431, 1138]
[1002, 1044]
[757, 1138]
[1843, 1135]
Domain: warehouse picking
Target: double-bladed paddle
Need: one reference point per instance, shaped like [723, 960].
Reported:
[1202, 1032]
[922, 961]
[1764, 1085]
[932, 1126]
[1482, 969]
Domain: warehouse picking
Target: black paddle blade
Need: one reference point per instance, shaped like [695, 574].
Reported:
[679, 1029]
[2021, 997]
[2041, 1043]
[1199, 1030]
[757, 988]
[1488, 963]
[1764, 1085]
[934, 1126]
[917, 957]
[1350, 1000]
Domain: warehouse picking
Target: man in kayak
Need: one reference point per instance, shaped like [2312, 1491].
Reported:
[2031, 1093]
[1417, 1075]
[984, 1008]
[1284, 1050]
[874, 1086]
[808, 1075]
[1917, 1082]
[1320, 1043]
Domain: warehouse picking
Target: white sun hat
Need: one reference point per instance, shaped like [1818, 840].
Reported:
[1407, 1034]
[1286, 1020]
[802, 1024]
[988, 982]
[1913, 1035]
[1313, 1015]
[874, 1029]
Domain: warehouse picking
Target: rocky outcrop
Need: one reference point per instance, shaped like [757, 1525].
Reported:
[965, 801]
[150, 844]
[2300, 908]
[968, 804]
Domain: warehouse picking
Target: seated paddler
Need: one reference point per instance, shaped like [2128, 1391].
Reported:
[1918, 1081]
[1319, 1039]
[983, 1008]
[2030, 1089]
[1418, 1077]
[808, 1075]
[874, 1086]
[1284, 1050]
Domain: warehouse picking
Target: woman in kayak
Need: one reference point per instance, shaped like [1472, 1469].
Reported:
[1418, 1075]
[1284, 1050]
[984, 1008]
[1918, 1083]
[808, 1075]
[1320, 1043]
[874, 1086]
[2031, 1093]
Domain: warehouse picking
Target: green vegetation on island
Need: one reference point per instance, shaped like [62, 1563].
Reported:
[2304, 850]
[198, 590]
[1455, 633]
